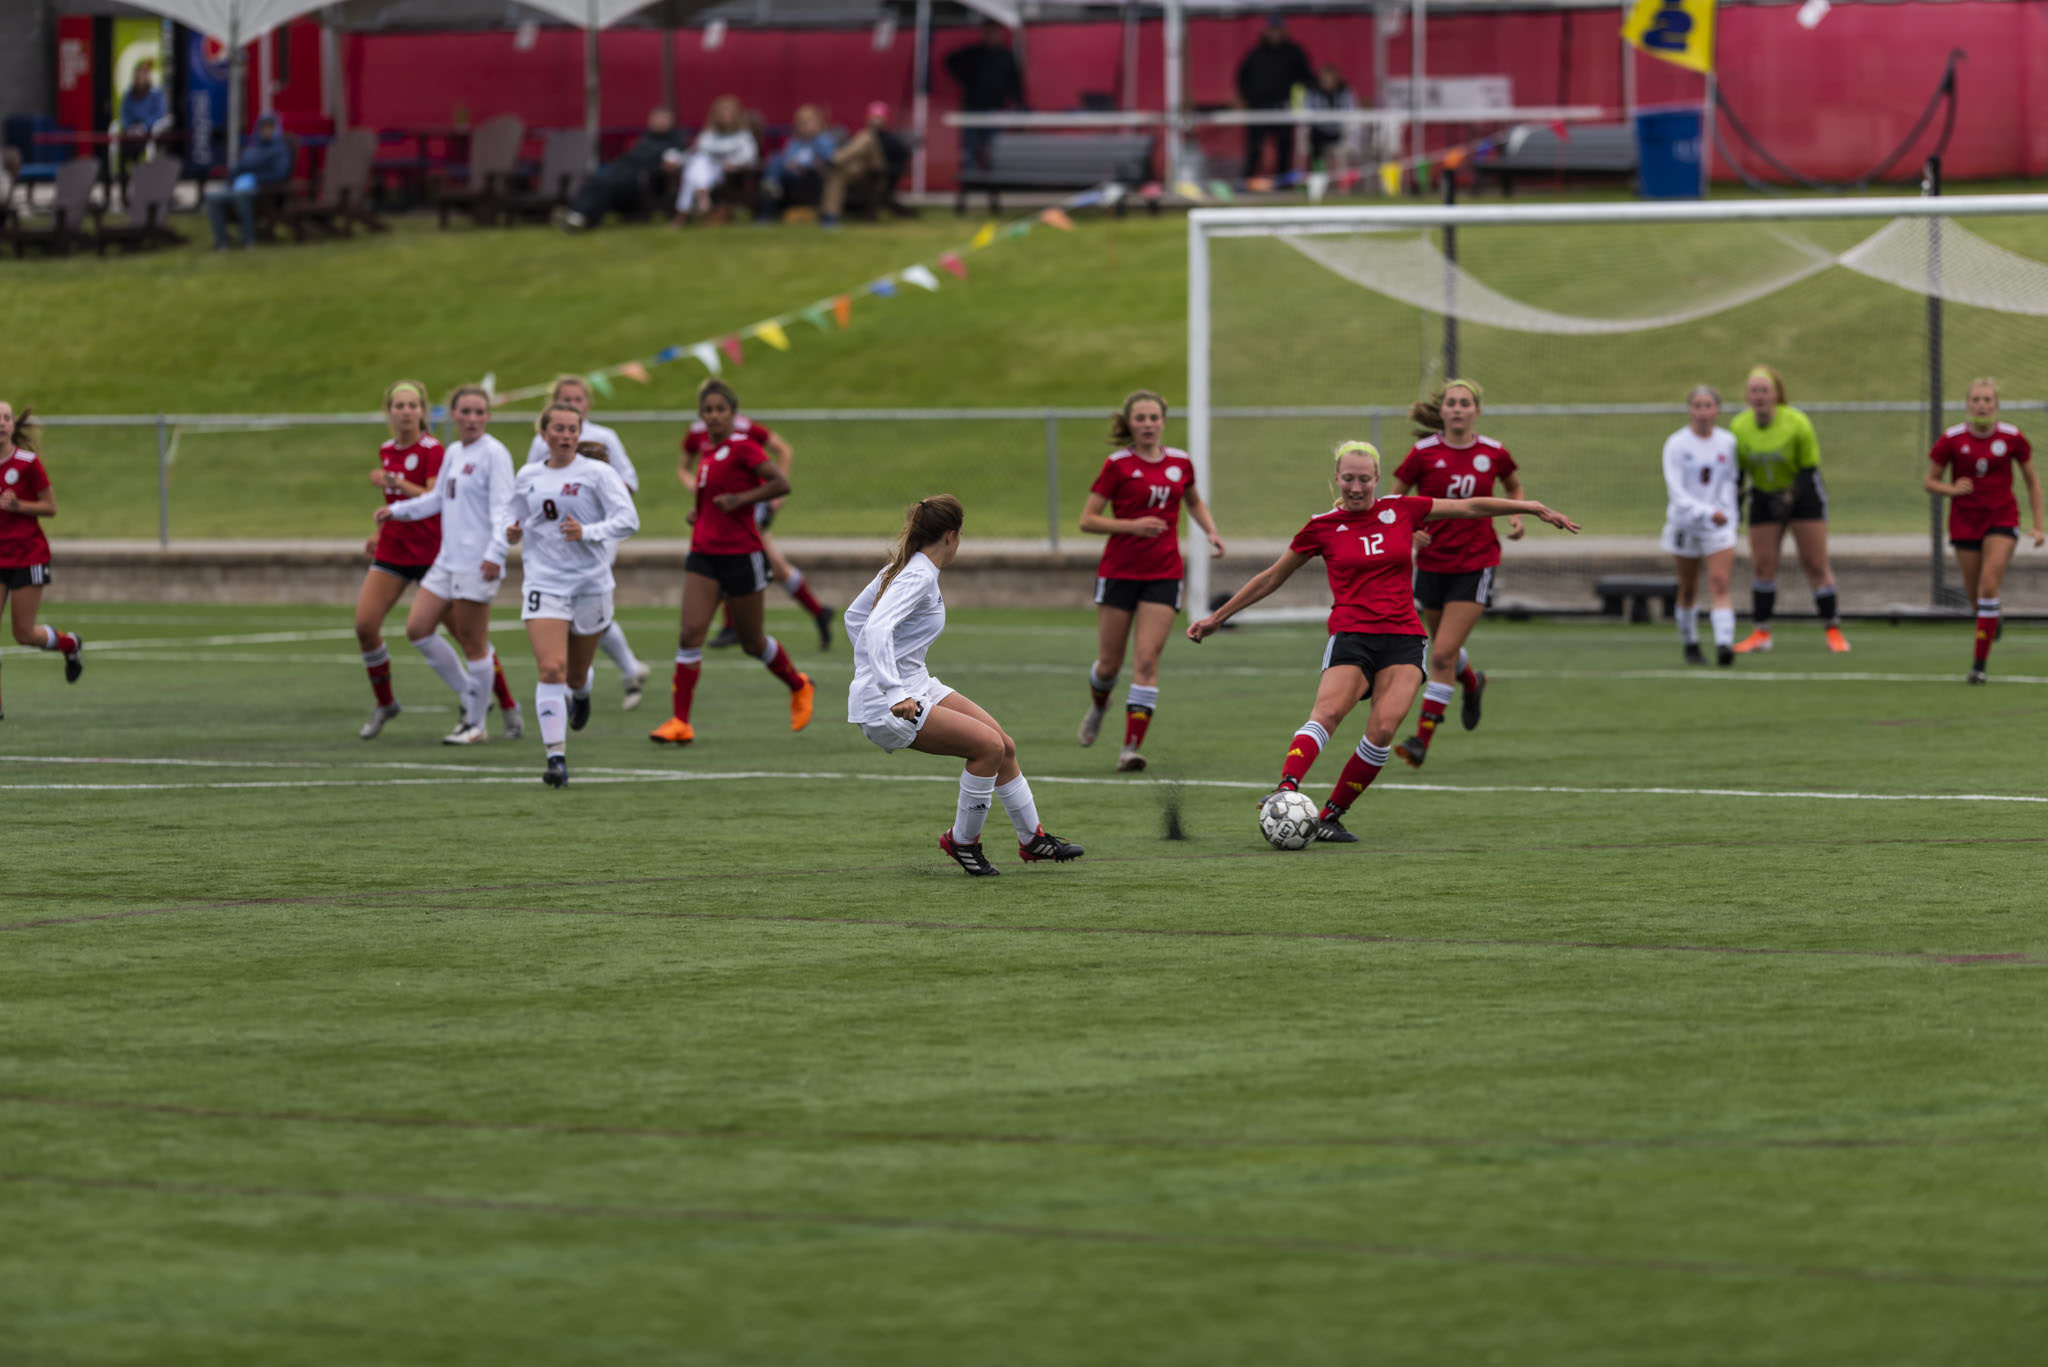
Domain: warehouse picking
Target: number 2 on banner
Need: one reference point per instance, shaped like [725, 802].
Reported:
[1463, 486]
[1374, 543]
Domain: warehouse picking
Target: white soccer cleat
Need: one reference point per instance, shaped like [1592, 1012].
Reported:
[636, 687]
[1091, 726]
[515, 724]
[375, 725]
[1129, 761]
[465, 735]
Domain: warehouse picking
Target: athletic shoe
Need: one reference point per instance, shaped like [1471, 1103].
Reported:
[1413, 750]
[1758, 642]
[672, 732]
[1330, 830]
[725, 638]
[824, 621]
[74, 665]
[557, 773]
[1129, 761]
[1468, 707]
[1091, 727]
[968, 857]
[1837, 642]
[465, 735]
[1977, 675]
[1724, 655]
[579, 711]
[1693, 654]
[1044, 845]
[377, 719]
[800, 704]
[636, 687]
[515, 724]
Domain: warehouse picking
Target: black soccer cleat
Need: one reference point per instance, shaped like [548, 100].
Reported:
[557, 773]
[1413, 750]
[968, 857]
[74, 663]
[579, 712]
[1330, 829]
[1977, 675]
[1045, 845]
[1693, 654]
[1724, 655]
[728, 637]
[1468, 711]
[824, 620]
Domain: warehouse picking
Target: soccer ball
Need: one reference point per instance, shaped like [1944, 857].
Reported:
[1288, 821]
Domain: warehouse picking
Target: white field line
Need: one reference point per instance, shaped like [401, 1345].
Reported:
[461, 774]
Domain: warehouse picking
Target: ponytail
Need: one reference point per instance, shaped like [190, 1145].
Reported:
[1428, 414]
[1120, 433]
[594, 450]
[926, 521]
[28, 433]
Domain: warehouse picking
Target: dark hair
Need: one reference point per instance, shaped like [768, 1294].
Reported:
[1428, 414]
[713, 385]
[540, 424]
[463, 391]
[924, 522]
[594, 450]
[1120, 433]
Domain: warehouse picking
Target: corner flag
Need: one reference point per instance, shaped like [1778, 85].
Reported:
[1680, 31]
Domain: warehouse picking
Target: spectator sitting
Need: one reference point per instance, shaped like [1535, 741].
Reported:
[142, 104]
[1339, 141]
[869, 164]
[265, 164]
[621, 186]
[1266, 79]
[725, 145]
[10, 168]
[990, 80]
[796, 174]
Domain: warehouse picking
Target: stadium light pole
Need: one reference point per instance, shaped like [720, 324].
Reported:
[920, 92]
[1176, 95]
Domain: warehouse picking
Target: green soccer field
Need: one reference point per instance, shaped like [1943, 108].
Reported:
[1673, 1016]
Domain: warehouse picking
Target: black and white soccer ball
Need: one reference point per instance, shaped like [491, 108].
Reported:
[1288, 821]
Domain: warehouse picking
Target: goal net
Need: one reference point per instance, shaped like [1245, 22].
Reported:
[1587, 325]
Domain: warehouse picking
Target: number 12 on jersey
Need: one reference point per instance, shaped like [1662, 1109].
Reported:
[1373, 544]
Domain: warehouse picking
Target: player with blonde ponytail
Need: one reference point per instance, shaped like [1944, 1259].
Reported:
[898, 705]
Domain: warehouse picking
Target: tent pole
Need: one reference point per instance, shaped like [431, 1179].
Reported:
[1176, 93]
[668, 55]
[590, 93]
[1128, 50]
[920, 94]
[238, 68]
[332, 77]
[1418, 69]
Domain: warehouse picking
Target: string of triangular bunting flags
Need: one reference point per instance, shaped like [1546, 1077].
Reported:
[833, 311]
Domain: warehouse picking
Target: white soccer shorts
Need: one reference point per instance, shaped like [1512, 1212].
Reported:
[588, 614]
[1692, 540]
[472, 587]
[893, 733]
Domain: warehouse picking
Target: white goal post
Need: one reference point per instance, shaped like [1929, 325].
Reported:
[1206, 226]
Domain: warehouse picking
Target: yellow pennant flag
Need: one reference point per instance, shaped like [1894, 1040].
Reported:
[985, 236]
[773, 335]
[1679, 31]
[1390, 177]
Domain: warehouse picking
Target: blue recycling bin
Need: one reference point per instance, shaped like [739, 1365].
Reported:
[1668, 154]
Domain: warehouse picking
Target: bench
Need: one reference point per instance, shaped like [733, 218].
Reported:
[1059, 161]
[1593, 149]
[1636, 591]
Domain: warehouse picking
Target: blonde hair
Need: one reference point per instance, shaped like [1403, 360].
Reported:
[1356, 448]
[28, 433]
[1120, 433]
[540, 424]
[1428, 414]
[1769, 372]
[924, 523]
[1705, 389]
[562, 382]
[419, 391]
[1985, 380]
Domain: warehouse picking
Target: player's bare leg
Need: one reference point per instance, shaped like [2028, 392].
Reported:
[1810, 539]
[958, 726]
[26, 604]
[1112, 637]
[1152, 625]
[550, 640]
[701, 597]
[1720, 572]
[582, 661]
[1393, 690]
[471, 625]
[749, 617]
[1337, 692]
[379, 594]
[1764, 541]
[1990, 580]
[1686, 607]
[422, 627]
[1449, 629]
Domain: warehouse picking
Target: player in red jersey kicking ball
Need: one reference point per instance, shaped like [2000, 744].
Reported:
[1367, 544]
[1983, 515]
[728, 562]
[1454, 565]
[1136, 503]
[25, 500]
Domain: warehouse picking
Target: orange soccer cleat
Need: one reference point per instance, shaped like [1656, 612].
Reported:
[674, 731]
[800, 703]
[1837, 642]
[1757, 642]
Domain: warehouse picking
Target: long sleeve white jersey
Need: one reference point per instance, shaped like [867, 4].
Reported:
[889, 641]
[537, 452]
[473, 497]
[589, 491]
[1700, 476]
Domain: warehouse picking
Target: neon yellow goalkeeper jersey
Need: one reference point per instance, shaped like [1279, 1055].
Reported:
[1772, 456]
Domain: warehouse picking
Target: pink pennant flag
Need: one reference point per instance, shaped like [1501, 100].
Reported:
[1057, 217]
[951, 261]
[731, 347]
[634, 371]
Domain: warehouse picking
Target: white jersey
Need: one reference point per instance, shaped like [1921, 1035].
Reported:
[589, 491]
[889, 641]
[1700, 476]
[473, 498]
[537, 452]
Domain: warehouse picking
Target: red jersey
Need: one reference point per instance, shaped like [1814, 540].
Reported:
[1370, 557]
[743, 428]
[1435, 469]
[1135, 488]
[1986, 461]
[733, 468]
[21, 537]
[410, 543]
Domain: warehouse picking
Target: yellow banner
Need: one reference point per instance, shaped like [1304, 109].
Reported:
[1390, 178]
[773, 335]
[1679, 31]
